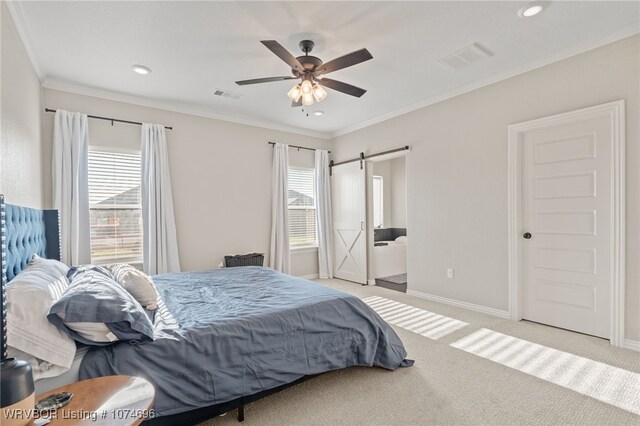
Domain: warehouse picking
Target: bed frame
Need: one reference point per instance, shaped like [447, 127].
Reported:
[201, 414]
[24, 231]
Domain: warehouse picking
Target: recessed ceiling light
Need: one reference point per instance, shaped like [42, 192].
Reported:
[318, 113]
[532, 9]
[141, 69]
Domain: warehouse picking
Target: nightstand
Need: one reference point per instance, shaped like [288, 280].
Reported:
[108, 400]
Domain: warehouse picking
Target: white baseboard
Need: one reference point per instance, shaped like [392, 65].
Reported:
[309, 277]
[371, 282]
[634, 345]
[460, 304]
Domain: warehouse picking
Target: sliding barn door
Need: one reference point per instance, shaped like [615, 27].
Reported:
[349, 222]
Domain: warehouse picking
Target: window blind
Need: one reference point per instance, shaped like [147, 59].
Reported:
[115, 205]
[302, 207]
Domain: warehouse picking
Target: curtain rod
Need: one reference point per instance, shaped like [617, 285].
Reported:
[296, 146]
[366, 157]
[110, 119]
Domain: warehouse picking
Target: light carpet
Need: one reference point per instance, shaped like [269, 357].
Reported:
[419, 321]
[598, 380]
[454, 385]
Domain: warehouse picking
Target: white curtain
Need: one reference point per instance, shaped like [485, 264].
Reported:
[279, 258]
[323, 214]
[160, 246]
[71, 185]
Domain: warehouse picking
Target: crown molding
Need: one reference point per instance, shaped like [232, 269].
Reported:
[172, 106]
[530, 66]
[15, 10]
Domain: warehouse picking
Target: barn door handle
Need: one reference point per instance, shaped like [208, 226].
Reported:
[526, 235]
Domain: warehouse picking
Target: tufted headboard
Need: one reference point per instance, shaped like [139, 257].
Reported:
[23, 232]
[27, 231]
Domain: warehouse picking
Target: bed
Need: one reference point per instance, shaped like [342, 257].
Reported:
[223, 338]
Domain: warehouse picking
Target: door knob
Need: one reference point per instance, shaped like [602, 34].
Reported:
[526, 235]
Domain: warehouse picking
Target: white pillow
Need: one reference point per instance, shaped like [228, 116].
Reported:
[137, 283]
[93, 331]
[50, 263]
[29, 296]
[402, 240]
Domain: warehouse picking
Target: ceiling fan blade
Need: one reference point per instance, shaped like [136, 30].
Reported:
[264, 80]
[341, 87]
[283, 54]
[296, 104]
[345, 61]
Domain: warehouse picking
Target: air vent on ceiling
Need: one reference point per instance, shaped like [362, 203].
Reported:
[465, 57]
[227, 94]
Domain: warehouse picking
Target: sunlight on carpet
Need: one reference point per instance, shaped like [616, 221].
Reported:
[603, 382]
[424, 323]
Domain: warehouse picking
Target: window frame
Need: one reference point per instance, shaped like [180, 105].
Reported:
[126, 151]
[304, 246]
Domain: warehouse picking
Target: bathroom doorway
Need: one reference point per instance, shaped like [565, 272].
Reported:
[387, 222]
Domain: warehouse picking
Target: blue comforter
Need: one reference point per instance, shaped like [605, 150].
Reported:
[227, 333]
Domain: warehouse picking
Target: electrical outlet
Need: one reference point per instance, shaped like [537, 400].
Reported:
[450, 273]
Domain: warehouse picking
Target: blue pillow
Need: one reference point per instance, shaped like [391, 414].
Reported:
[96, 310]
[81, 269]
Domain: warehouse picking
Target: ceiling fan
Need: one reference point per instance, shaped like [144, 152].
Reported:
[311, 70]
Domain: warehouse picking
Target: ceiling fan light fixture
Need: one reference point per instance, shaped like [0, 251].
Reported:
[295, 93]
[308, 69]
[307, 99]
[319, 93]
[306, 88]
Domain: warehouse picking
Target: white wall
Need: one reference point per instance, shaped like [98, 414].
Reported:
[220, 172]
[457, 171]
[20, 142]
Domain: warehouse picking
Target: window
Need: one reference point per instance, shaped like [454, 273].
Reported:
[302, 208]
[115, 204]
[378, 202]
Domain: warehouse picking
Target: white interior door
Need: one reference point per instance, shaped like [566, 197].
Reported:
[348, 187]
[566, 216]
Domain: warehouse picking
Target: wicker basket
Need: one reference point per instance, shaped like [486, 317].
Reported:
[251, 259]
